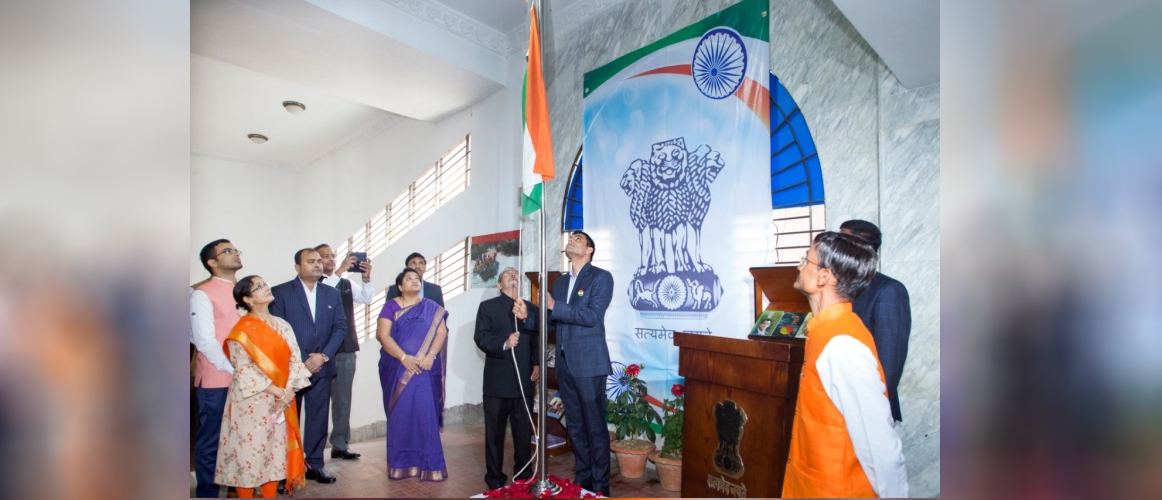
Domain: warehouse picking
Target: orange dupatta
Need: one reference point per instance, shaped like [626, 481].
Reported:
[272, 355]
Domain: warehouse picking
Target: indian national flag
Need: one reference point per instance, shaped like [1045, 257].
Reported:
[538, 145]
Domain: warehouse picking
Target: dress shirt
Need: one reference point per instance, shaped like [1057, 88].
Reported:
[361, 293]
[202, 333]
[850, 377]
[311, 293]
[572, 280]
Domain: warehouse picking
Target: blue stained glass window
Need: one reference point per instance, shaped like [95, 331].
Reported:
[796, 179]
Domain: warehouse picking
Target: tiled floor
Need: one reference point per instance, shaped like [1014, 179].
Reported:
[464, 453]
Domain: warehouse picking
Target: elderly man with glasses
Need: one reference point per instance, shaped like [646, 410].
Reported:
[843, 444]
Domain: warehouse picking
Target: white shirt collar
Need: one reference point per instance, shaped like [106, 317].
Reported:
[311, 294]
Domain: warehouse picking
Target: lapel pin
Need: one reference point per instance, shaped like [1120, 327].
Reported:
[580, 293]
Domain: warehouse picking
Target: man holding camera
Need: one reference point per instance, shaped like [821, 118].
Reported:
[350, 293]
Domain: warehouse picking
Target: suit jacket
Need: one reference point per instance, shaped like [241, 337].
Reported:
[886, 311]
[494, 323]
[324, 333]
[350, 341]
[580, 323]
[432, 292]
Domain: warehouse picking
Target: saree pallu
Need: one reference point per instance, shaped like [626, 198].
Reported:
[271, 353]
[414, 404]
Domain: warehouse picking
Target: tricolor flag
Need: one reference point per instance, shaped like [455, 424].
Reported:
[538, 145]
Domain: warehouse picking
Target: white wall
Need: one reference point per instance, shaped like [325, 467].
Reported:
[257, 208]
[347, 190]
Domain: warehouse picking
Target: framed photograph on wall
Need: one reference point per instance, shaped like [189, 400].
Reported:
[490, 254]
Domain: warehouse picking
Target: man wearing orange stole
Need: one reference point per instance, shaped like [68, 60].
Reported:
[260, 441]
[843, 444]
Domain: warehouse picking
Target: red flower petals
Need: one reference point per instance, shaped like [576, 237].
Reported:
[678, 390]
[520, 489]
[633, 370]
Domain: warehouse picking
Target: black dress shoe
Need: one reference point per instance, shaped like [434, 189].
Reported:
[282, 486]
[321, 475]
[344, 454]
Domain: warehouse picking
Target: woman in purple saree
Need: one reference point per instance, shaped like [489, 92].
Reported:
[412, 365]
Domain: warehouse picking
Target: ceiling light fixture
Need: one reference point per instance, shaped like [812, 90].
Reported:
[293, 107]
[258, 138]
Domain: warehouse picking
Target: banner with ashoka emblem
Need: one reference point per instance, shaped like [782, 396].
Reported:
[677, 178]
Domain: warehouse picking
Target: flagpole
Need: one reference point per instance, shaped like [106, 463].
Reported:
[542, 486]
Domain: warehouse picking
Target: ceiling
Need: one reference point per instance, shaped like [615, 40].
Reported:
[905, 34]
[229, 102]
[248, 56]
[500, 15]
[362, 66]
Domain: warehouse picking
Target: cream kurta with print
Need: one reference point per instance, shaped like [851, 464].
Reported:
[253, 446]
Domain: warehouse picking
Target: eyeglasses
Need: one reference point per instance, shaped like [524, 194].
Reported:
[259, 286]
[803, 262]
[229, 251]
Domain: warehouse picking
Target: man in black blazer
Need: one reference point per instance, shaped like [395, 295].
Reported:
[315, 312]
[497, 334]
[429, 291]
[577, 308]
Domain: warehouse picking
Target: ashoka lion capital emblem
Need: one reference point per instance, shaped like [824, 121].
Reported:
[729, 420]
[669, 198]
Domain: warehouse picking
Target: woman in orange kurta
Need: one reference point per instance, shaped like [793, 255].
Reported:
[260, 441]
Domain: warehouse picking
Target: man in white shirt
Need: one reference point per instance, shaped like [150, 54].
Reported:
[843, 443]
[351, 293]
[212, 315]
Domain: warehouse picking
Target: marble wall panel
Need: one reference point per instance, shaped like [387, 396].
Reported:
[848, 155]
[910, 184]
[819, 56]
[920, 436]
[889, 84]
[910, 107]
[921, 378]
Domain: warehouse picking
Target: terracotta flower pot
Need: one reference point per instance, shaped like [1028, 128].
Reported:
[631, 456]
[669, 471]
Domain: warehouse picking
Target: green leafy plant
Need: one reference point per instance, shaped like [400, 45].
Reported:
[673, 412]
[630, 413]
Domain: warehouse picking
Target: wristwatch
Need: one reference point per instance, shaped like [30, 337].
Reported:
[325, 358]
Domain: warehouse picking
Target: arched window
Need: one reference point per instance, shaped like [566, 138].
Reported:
[796, 181]
[573, 219]
[571, 212]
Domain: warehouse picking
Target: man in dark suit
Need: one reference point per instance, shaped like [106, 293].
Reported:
[886, 312]
[497, 334]
[577, 308]
[430, 291]
[315, 312]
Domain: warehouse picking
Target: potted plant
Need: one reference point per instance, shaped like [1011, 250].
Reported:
[631, 414]
[669, 458]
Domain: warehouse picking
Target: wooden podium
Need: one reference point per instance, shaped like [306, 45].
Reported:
[761, 378]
